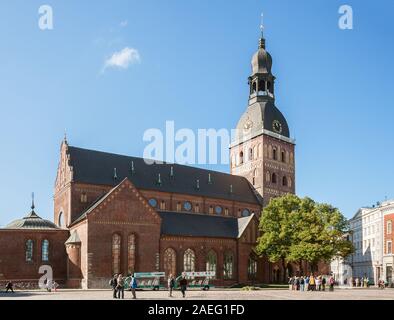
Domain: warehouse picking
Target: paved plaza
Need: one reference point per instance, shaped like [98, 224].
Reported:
[265, 294]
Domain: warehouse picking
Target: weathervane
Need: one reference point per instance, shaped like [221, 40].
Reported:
[262, 25]
[32, 201]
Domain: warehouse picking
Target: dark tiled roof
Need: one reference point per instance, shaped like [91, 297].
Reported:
[95, 167]
[199, 225]
[32, 221]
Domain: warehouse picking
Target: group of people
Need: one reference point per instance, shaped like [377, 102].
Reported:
[356, 282]
[118, 284]
[311, 283]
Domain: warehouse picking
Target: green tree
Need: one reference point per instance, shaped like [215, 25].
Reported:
[276, 228]
[296, 230]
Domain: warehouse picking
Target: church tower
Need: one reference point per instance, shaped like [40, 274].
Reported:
[262, 150]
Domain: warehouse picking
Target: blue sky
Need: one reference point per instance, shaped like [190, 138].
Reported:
[334, 86]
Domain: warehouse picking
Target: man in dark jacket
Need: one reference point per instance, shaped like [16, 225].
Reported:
[183, 285]
[9, 286]
[114, 284]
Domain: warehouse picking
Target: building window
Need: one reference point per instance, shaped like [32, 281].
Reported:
[45, 250]
[228, 265]
[389, 247]
[267, 176]
[283, 156]
[389, 227]
[178, 206]
[29, 250]
[226, 211]
[170, 262]
[211, 261]
[250, 154]
[153, 203]
[245, 213]
[116, 241]
[218, 210]
[210, 209]
[162, 205]
[241, 158]
[274, 154]
[189, 260]
[60, 220]
[187, 206]
[273, 179]
[197, 208]
[254, 176]
[84, 197]
[131, 248]
[252, 268]
[284, 181]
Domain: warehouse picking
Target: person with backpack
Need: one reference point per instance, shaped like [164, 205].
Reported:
[302, 283]
[171, 284]
[133, 286]
[114, 283]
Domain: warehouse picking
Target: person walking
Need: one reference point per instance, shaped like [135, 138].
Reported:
[302, 283]
[331, 282]
[183, 285]
[133, 286]
[120, 287]
[290, 283]
[323, 282]
[312, 282]
[9, 286]
[307, 283]
[171, 284]
[114, 283]
[318, 283]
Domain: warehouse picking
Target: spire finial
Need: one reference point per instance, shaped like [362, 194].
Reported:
[65, 135]
[262, 40]
[32, 201]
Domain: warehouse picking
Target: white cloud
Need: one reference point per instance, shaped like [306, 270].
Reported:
[123, 59]
[124, 24]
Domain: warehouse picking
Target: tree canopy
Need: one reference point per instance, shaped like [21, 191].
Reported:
[297, 229]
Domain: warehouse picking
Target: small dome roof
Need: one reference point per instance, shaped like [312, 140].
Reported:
[31, 221]
[262, 60]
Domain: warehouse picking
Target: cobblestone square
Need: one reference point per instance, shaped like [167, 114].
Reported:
[265, 294]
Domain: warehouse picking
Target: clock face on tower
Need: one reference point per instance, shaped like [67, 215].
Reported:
[277, 126]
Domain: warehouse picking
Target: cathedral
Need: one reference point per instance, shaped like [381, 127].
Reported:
[117, 214]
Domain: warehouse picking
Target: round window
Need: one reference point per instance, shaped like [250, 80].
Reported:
[153, 203]
[218, 210]
[187, 206]
[245, 213]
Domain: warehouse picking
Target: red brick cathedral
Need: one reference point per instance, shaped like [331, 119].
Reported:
[117, 214]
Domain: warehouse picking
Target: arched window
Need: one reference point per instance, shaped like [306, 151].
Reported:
[45, 250]
[273, 179]
[261, 85]
[170, 262]
[283, 156]
[131, 249]
[29, 250]
[254, 87]
[274, 154]
[389, 227]
[197, 208]
[250, 154]
[245, 213]
[187, 206]
[241, 157]
[228, 265]
[269, 86]
[162, 205]
[211, 209]
[60, 221]
[267, 176]
[84, 197]
[116, 242]
[284, 181]
[189, 260]
[178, 206]
[153, 202]
[252, 268]
[211, 261]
